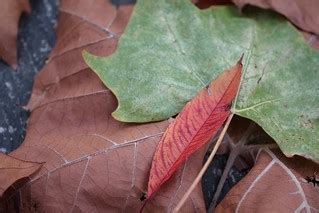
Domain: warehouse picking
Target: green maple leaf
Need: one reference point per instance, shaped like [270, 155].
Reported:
[171, 49]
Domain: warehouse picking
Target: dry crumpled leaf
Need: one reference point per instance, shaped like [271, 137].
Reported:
[302, 13]
[9, 18]
[275, 184]
[13, 169]
[93, 162]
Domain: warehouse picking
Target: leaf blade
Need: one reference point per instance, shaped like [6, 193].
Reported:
[274, 179]
[198, 121]
[9, 19]
[301, 14]
[15, 169]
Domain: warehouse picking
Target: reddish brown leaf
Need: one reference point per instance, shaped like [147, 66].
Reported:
[302, 13]
[312, 40]
[194, 126]
[275, 184]
[13, 169]
[93, 162]
[9, 18]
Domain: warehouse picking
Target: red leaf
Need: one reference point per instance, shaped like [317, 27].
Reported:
[194, 126]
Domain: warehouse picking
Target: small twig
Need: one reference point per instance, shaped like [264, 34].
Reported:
[202, 171]
[230, 161]
[235, 151]
[259, 146]
[213, 140]
[231, 141]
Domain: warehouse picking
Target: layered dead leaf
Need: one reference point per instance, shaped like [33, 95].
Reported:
[13, 169]
[9, 18]
[302, 13]
[275, 184]
[92, 162]
[194, 126]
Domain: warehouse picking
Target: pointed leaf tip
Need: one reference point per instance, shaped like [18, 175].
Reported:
[240, 61]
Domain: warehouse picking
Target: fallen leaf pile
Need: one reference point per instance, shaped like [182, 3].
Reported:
[91, 161]
[79, 157]
[11, 11]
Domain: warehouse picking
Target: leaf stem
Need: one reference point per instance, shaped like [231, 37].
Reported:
[204, 168]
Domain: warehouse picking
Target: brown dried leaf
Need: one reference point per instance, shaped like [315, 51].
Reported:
[93, 162]
[312, 40]
[275, 184]
[9, 18]
[302, 13]
[13, 169]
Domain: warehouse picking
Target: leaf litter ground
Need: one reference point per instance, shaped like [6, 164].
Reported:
[44, 107]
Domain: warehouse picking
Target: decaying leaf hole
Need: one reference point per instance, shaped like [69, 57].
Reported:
[312, 179]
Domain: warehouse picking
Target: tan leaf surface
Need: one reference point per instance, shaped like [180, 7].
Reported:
[302, 13]
[275, 184]
[9, 18]
[93, 162]
[13, 169]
